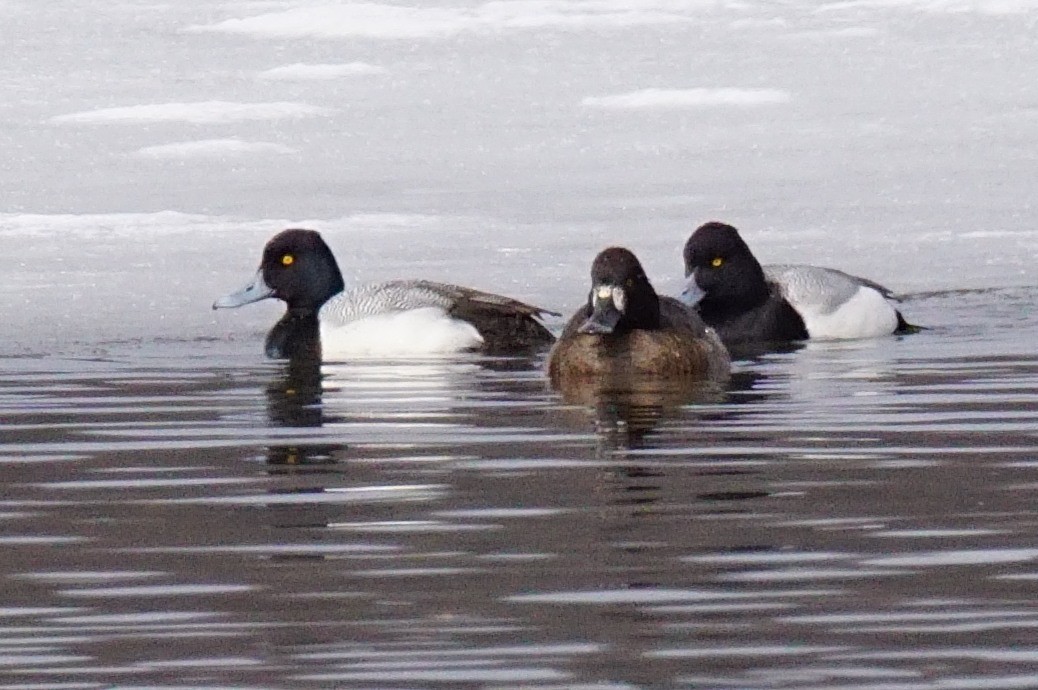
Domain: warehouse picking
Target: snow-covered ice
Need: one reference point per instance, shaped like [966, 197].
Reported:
[400, 22]
[688, 98]
[300, 71]
[148, 150]
[211, 148]
[205, 113]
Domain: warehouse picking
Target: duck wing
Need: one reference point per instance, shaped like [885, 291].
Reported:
[463, 297]
[506, 324]
[815, 287]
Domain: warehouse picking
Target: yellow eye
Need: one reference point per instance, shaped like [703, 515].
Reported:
[287, 260]
[717, 261]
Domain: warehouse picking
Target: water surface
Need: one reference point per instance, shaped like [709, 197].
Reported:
[846, 515]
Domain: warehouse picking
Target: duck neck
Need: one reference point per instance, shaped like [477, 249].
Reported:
[296, 336]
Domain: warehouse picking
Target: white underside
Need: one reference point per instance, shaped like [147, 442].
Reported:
[867, 314]
[415, 332]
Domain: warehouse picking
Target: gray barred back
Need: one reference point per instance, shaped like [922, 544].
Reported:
[822, 288]
[503, 322]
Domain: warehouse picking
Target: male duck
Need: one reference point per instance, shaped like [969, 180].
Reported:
[401, 317]
[750, 304]
[627, 330]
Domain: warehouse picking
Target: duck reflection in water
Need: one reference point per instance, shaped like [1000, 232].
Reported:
[630, 354]
[626, 417]
[294, 401]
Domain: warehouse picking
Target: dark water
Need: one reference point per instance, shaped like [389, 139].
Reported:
[849, 515]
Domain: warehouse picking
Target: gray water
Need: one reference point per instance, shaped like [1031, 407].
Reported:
[846, 515]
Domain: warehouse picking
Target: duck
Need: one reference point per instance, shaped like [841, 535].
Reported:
[626, 330]
[325, 319]
[751, 304]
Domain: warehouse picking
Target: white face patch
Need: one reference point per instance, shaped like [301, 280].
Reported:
[619, 298]
[612, 293]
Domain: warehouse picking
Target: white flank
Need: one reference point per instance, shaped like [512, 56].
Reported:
[210, 148]
[687, 98]
[305, 72]
[205, 112]
[416, 332]
[867, 314]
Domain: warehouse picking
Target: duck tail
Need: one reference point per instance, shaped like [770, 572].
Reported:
[904, 328]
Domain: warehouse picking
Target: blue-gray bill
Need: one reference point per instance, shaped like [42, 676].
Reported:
[606, 310]
[692, 293]
[253, 292]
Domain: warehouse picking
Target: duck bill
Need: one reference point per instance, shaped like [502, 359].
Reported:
[253, 292]
[605, 314]
[692, 294]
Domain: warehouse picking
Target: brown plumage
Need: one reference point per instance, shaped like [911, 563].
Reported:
[626, 331]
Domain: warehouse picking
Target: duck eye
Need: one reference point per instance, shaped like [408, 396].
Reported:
[287, 260]
[716, 262]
